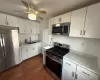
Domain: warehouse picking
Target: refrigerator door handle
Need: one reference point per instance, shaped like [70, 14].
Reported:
[3, 44]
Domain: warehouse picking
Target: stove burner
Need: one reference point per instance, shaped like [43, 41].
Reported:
[58, 51]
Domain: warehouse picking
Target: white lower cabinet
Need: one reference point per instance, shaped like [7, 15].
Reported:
[81, 76]
[84, 74]
[70, 73]
[24, 53]
[30, 51]
[69, 70]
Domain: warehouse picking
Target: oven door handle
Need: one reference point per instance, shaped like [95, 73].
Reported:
[54, 60]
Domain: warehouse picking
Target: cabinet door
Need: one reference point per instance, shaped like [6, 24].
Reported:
[65, 17]
[81, 76]
[92, 25]
[68, 71]
[77, 22]
[38, 28]
[57, 19]
[24, 53]
[85, 74]
[28, 26]
[38, 46]
[51, 22]
[12, 21]
[31, 51]
[3, 19]
[22, 26]
[33, 27]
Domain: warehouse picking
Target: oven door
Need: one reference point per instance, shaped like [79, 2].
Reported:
[54, 66]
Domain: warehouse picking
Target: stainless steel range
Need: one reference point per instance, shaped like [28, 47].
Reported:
[54, 58]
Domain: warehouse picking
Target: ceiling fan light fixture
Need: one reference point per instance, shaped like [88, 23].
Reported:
[32, 16]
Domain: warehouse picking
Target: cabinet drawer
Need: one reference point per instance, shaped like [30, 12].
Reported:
[87, 73]
[68, 63]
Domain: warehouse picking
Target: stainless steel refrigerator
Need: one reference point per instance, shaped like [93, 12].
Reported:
[9, 48]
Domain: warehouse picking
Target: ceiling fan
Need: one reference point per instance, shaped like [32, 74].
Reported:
[32, 11]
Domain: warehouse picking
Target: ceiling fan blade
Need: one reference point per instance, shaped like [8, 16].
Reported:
[40, 12]
[33, 6]
[25, 4]
[22, 11]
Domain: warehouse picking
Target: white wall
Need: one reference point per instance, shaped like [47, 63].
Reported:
[22, 37]
[84, 45]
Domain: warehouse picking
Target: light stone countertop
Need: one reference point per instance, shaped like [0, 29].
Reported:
[86, 61]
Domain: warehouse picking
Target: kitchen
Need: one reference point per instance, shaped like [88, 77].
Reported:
[64, 46]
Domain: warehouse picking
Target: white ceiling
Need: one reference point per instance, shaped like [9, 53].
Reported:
[53, 7]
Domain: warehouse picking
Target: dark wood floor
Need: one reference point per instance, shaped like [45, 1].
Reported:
[31, 69]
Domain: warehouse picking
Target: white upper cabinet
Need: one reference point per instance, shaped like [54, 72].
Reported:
[65, 17]
[28, 26]
[12, 21]
[77, 22]
[22, 26]
[85, 22]
[2, 19]
[57, 19]
[62, 18]
[33, 27]
[92, 25]
[51, 22]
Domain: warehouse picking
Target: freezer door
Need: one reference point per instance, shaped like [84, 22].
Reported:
[11, 47]
[2, 57]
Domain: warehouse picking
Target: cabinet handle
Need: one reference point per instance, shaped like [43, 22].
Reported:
[24, 30]
[26, 50]
[72, 74]
[76, 76]
[6, 22]
[84, 32]
[68, 64]
[86, 73]
[59, 19]
[31, 30]
[81, 32]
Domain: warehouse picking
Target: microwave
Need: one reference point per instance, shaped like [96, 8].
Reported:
[62, 29]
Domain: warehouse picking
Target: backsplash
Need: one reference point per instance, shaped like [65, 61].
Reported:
[22, 37]
[84, 45]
